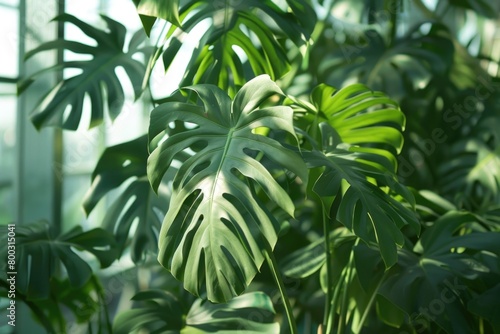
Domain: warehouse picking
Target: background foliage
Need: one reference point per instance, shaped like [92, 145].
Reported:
[325, 166]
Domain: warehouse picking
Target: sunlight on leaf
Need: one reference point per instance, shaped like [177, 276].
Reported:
[216, 226]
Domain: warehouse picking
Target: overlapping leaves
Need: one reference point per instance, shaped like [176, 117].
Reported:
[482, 7]
[137, 202]
[369, 58]
[53, 313]
[309, 259]
[216, 229]
[367, 121]
[97, 77]
[365, 209]
[253, 27]
[448, 256]
[162, 312]
[473, 171]
[359, 135]
[39, 252]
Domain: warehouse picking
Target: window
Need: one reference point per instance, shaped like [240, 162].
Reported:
[9, 39]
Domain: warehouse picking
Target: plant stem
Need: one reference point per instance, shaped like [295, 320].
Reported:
[394, 26]
[329, 276]
[271, 261]
[331, 296]
[333, 307]
[101, 298]
[370, 303]
[348, 276]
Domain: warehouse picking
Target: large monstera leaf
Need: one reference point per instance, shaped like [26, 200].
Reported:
[97, 77]
[365, 209]
[253, 27]
[356, 135]
[164, 313]
[365, 120]
[138, 202]
[216, 229]
[39, 251]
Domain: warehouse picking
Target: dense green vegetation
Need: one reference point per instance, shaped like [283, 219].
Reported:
[324, 167]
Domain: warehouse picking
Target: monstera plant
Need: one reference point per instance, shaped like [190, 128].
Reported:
[278, 160]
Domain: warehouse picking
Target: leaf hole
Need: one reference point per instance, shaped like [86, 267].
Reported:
[190, 126]
[240, 53]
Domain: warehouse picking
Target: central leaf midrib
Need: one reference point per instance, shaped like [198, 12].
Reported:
[214, 184]
[229, 138]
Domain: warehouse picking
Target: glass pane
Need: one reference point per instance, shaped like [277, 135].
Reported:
[7, 156]
[81, 151]
[126, 15]
[74, 189]
[9, 39]
[13, 3]
[131, 123]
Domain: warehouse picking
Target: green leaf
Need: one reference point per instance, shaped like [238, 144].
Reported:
[167, 10]
[435, 276]
[39, 252]
[389, 313]
[96, 76]
[160, 310]
[137, 202]
[365, 209]
[216, 226]
[53, 313]
[355, 134]
[370, 59]
[253, 27]
[473, 170]
[309, 259]
[368, 121]
[251, 313]
[481, 7]
[487, 306]
[431, 203]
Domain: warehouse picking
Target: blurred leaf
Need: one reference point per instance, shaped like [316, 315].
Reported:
[309, 259]
[367, 57]
[242, 40]
[482, 7]
[66, 305]
[137, 202]
[487, 306]
[95, 77]
[436, 275]
[39, 252]
[429, 202]
[161, 312]
[473, 170]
